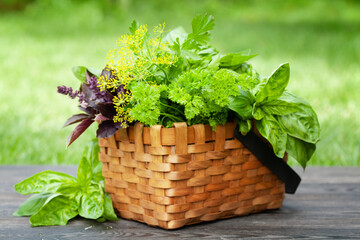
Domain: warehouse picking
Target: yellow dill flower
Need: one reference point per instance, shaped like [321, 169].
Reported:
[136, 57]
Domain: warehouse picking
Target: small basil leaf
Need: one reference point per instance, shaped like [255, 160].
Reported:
[57, 211]
[270, 129]
[92, 150]
[84, 173]
[92, 202]
[300, 150]
[244, 126]
[242, 104]
[80, 72]
[235, 59]
[274, 85]
[279, 107]
[109, 212]
[258, 112]
[33, 204]
[46, 181]
[95, 72]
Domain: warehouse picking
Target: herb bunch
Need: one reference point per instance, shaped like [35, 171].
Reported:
[167, 77]
[58, 197]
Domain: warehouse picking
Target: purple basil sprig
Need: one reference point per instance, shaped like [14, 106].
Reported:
[97, 106]
[68, 91]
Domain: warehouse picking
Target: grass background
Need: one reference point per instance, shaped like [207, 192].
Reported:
[42, 42]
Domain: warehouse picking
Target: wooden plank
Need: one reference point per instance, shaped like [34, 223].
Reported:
[327, 205]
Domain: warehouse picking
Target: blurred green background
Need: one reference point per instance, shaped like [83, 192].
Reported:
[41, 40]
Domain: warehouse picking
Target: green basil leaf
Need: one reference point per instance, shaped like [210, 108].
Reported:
[244, 126]
[242, 104]
[69, 189]
[92, 202]
[274, 85]
[57, 211]
[46, 181]
[95, 72]
[279, 107]
[302, 124]
[270, 129]
[235, 59]
[300, 150]
[91, 151]
[80, 72]
[33, 204]
[109, 213]
[258, 112]
[84, 173]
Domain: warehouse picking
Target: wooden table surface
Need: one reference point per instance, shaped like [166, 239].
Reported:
[326, 206]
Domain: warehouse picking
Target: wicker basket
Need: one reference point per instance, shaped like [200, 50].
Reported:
[171, 177]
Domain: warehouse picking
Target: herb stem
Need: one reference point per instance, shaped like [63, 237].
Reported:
[172, 117]
[166, 105]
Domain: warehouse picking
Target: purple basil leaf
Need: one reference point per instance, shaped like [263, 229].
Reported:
[90, 96]
[106, 129]
[78, 131]
[88, 110]
[107, 109]
[76, 118]
[101, 118]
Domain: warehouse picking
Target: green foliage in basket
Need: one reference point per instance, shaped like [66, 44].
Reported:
[165, 77]
[58, 197]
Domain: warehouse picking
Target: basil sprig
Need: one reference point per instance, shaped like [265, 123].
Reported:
[288, 122]
[58, 197]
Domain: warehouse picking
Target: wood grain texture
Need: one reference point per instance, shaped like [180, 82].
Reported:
[326, 205]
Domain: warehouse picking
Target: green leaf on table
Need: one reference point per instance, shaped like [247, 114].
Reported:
[274, 85]
[242, 104]
[92, 202]
[58, 211]
[270, 129]
[302, 124]
[33, 204]
[300, 150]
[46, 181]
[279, 107]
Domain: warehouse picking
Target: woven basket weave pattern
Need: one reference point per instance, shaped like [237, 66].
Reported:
[171, 177]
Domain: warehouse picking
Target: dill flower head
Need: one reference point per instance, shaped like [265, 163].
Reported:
[136, 57]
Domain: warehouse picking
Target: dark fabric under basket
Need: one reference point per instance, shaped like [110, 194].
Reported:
[171, 177]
